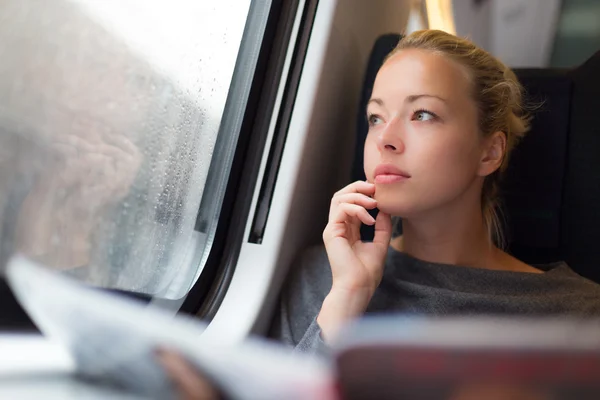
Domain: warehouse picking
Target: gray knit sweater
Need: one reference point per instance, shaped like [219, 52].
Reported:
[413, 286]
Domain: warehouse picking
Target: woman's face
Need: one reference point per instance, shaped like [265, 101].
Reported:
[423, 149]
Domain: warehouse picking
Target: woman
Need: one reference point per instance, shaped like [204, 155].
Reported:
[444, 116]
[437, 143]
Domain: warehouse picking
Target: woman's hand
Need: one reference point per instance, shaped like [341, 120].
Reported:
[356, 266]
[189, 383]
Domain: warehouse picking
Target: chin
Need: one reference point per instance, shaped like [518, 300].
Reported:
[396, 205]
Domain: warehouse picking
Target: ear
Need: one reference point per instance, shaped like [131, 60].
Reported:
[494, 148]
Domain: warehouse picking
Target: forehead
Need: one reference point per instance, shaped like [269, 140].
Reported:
[414, 71]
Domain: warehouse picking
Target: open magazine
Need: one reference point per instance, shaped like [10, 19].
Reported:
[112, 340]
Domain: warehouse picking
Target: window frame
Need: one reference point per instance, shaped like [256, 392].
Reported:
[208, 292]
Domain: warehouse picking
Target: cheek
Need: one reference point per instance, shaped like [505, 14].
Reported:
[371, 158]
[450, 158]
[450, 167]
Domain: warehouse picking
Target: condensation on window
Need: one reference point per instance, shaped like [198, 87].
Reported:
[109, 113]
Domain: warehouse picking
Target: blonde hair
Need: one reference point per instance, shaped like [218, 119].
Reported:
[499, 98]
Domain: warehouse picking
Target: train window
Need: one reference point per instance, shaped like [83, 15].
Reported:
[109, 114]
[577, 34]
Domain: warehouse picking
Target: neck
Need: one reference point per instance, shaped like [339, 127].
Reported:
[454, 234]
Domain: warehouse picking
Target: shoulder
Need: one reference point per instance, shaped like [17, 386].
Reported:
[561, 270]
[577, 293]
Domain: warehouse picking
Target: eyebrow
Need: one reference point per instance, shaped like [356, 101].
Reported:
[376, 101]
[415, 97]
[409, 99]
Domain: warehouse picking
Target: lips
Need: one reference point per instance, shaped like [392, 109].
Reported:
[388, 173]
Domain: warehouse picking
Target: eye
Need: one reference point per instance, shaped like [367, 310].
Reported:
[424, 115]
[374, 119]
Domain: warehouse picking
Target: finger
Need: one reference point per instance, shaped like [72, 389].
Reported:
[189, 382]
[351, 198]
[350, 233]
[345, 211]
[383, 229]
[355, 198]
[357, 187]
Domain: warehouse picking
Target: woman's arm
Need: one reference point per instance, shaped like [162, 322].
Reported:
[356, 266]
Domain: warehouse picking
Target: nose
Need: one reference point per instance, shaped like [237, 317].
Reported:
[390, 138]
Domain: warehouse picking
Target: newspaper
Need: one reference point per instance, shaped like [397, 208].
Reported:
[113, 340]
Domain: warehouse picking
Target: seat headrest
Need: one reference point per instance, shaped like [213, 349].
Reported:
[580, 222]
[532, 187]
